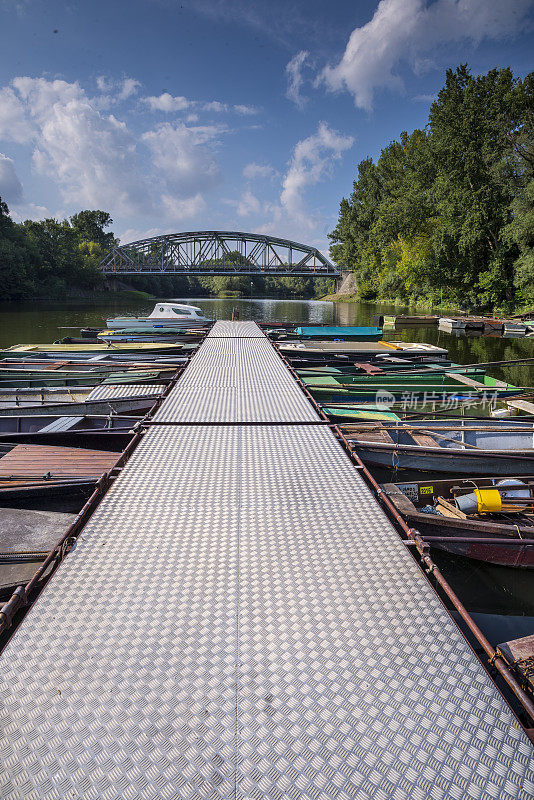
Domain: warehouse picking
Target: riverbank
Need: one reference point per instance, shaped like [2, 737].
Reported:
[126, 295]
[427, 305]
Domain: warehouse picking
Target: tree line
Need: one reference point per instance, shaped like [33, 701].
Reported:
[447, 213]
[52, 259]
[48, 258]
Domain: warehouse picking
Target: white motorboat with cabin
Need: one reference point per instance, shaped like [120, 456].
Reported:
[167, 315]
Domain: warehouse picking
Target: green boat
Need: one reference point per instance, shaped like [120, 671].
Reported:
[401, 390]
[432, 377]
[385, 369]
[25, 378]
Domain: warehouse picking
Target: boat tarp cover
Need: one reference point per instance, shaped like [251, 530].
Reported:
[337, 332]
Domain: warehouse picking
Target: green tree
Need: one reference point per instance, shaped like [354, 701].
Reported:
[17, 259]
[90, 227]
[448, 208]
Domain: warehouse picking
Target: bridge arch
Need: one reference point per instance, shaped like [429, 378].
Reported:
[217, 253]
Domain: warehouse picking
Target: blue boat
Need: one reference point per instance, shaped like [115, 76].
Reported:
[340, 333]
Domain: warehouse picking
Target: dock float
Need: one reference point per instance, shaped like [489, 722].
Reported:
[239, 619]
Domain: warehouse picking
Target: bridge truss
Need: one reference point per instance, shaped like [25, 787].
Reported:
[217, 253]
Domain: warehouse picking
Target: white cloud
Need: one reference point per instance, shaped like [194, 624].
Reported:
[116, 90]
[253, 171]
[406, 30]
[425, 98]
[295, 79]
[10, 185]
[129, 87]
[167, 103]
[178, 210]
[104, 84]
[248, 204]
[246, 111]
[214, 105]
[312, 161]
[179, 153]
[134, 234]
[91, 156]
[33, 211]
[95, 160]
[14, 122]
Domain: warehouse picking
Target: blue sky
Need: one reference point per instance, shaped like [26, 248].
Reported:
[223, 114]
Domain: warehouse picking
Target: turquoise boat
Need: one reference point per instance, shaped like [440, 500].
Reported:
[341, 333]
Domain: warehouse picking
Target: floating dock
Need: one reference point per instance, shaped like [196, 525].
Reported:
[239, 619]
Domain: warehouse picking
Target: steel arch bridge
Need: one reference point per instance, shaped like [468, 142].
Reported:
[217, 253]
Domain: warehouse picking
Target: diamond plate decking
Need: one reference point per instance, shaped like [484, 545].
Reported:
[240, 620]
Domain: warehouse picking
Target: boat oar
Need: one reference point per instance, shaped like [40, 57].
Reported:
[431, 433]
[393, 425]
[427, 369]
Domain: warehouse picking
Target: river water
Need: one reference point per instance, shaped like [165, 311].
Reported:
[500, 599]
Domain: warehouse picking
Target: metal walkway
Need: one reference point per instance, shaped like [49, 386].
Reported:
[240, 620]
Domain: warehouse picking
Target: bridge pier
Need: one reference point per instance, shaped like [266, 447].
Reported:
[346, 283]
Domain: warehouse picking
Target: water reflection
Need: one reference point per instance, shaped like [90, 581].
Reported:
[500, 599]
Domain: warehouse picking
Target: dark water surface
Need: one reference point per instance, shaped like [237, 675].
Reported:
[501, 599]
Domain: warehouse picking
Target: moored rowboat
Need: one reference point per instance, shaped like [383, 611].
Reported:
[504, 537]
[459, 446]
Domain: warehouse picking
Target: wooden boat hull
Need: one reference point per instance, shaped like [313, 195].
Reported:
[361, 350]
[19, 398]
[118, 405]
[386, 370]
[433, 378]
[411, 396]
[112, 440]
[405, 320]
[102, 366]
[455, 532]
[100, 433]
[443, 460]
[121, 347]
[25, 468]
[154, 336]
[25, 379]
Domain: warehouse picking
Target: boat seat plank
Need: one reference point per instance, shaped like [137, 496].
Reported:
[370, 369]
[33, 460]
[424, 439]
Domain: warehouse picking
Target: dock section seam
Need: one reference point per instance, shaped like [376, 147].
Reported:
[241, 620]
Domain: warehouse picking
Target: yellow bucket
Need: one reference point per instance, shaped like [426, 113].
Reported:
[488, 500]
